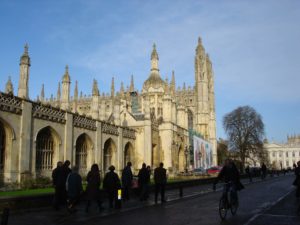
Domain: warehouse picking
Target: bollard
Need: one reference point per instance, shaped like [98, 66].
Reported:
[119, 199]
[4, 217]
[180, 191]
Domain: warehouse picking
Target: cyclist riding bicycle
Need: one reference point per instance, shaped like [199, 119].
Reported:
[231, 177]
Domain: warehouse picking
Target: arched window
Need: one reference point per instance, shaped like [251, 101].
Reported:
[128, 153]
[81, 152]
[44, 150]
[109, 154]
[2, 146]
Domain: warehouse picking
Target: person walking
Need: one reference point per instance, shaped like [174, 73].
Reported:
[297, 180]
[111, 184]
[160, 180]
[59, 186]
[248, 172]
[143, 181]
[74, 188]
[127, 180]
[93, 187]
[65, 170]
[263, 171]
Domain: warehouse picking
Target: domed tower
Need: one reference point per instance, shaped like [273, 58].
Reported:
[154, 86]
[24, 74]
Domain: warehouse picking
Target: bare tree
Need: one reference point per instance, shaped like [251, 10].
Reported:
[245, 130]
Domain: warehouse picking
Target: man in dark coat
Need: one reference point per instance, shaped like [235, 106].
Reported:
[93, 187]
[160, 180]
[248, 172]
[297, 180]
[111, 184]
[143, 180]
[59, 186]
[231, 176]
[74, 188]
[127, 180]
[263, 171]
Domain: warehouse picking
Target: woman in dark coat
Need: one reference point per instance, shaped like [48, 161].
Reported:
[93, 187]
[111, 184]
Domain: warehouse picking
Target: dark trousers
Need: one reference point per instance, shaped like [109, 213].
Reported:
[126, 192]
[112, 197]
[160, 188]
[73, 201]
[144, 192]
[59, 196]
[249, 176]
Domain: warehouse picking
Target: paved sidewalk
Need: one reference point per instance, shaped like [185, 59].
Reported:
[47, 216]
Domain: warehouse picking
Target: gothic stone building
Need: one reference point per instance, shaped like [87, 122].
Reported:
[151, 125]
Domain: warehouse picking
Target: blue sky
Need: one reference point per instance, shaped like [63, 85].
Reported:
[254, 46]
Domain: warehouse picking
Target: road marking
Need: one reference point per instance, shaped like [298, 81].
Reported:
[286, 216]
[271, 205]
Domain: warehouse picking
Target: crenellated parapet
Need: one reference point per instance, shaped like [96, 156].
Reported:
[110, 129]
[47, 112]
[128, 133]
[10, 103]
[84, 122]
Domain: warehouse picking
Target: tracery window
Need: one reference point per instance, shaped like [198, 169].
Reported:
[81, 152]
[44, 150]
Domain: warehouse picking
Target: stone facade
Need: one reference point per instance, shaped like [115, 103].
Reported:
[151, 125]
[284, 155]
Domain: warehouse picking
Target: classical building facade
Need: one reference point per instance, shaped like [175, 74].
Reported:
[151, 125]
[284, 155]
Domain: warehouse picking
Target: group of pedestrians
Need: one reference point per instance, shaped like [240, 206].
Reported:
[69, 190]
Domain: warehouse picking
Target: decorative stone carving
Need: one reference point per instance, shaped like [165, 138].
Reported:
[48, 113]
[84, 122]
[128, 133]
[110, 129]
[10, 103]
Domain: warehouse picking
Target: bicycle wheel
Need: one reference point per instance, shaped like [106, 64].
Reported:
[223, 208]
[234, 207]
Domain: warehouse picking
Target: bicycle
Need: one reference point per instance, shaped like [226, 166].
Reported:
[225, 204]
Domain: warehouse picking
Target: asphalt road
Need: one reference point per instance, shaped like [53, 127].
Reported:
[260, 203]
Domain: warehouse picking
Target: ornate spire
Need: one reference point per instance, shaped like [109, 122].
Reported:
[43, 93]
[25, 59]
[131, 89]
[154, 79]
[154, 59]
[167, 85]
[58, 92]
[95, 91]
[200, 49]
[66, 77]
[9, 89]
[173, 84]
[122, 89]
[184, 87]
[199, 41]
[112, 88]
[76, 91]
[23, 90]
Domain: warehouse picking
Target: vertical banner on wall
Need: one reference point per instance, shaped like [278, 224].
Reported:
[202, 153]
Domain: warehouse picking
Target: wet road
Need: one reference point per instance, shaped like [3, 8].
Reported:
[254, 200]
[257, 202]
